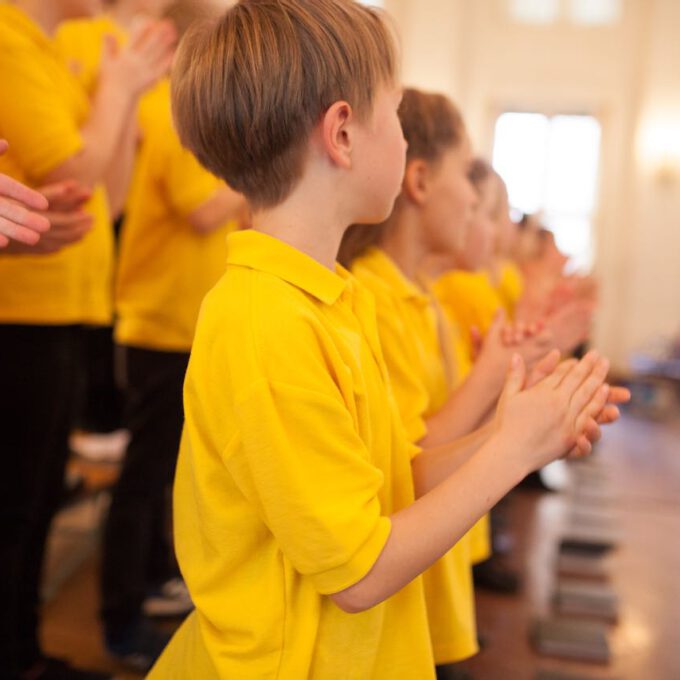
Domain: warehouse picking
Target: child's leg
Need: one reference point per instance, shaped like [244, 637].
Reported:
[154, 416]
[39, 374]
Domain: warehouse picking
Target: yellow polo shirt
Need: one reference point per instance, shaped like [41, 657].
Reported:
[164, 266]
[42, 108]
[510, 287]
[293, 458]
[470, 299]
[409, 324]
[81, 42]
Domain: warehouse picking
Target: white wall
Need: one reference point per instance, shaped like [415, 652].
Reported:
[623, 75]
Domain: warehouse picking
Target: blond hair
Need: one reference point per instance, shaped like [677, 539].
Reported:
[432, 124]
[248, 89]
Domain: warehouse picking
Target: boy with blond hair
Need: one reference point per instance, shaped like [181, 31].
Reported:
[303, 518]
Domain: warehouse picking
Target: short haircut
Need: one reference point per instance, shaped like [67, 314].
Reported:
[432, 125]
[248, 89]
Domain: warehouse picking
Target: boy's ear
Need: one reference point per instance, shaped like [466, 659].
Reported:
[416, 181]
[336, 134]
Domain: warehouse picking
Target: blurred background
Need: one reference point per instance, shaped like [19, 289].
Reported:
[578, 104]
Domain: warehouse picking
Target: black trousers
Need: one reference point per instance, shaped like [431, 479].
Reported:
[100, 401]
[137, 551]
[37, 389]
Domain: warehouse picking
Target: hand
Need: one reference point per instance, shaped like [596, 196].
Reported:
[571, 325]
[144, 60]
[19, 221]
[530, 341]
[552, 418]
[67, 222]
[617, 395]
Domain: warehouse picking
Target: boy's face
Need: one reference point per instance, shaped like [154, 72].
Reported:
[379, 158]
[450, 202]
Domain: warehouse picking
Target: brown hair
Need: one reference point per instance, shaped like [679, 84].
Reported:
[432, 124]
[185, 13]
[248, 89]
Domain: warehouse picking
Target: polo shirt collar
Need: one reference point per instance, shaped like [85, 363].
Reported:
[383, 266]
[268, 254]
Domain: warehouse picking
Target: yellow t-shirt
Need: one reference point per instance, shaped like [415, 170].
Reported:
[510, 287]
[409, 324]
[293, 458]
[42, 107]
[81, 42]
[470, 299]
[164, 266]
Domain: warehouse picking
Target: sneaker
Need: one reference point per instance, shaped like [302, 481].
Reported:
[452, 671]
[137, 646]
[170, 600]
[100, 448]
[49, 668]
[493, 575]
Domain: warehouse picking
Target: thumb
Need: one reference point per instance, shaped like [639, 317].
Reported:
[515, 378]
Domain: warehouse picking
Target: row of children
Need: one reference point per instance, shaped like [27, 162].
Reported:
[86, 113]
[345, 432]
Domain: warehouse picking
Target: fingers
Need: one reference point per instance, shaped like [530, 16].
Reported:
[544, 368]
[619, 395]
[3, 146]
[70, 227]
[10, 188]
[516, 377]
[573, 378]
[591, 395]
[66, 196]
[558, 374]
[15, 232]
[609, 414]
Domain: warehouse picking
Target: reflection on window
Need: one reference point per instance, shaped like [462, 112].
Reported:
[595, 12]
[535, 11]
[585, 12]
[550, 165]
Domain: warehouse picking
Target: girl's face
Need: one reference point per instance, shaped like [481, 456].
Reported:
[506, 229]
[80, 9]
[481, 231]
[449, 203]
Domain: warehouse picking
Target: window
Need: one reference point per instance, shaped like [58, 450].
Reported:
[595, 12]
[551, 165]
[535, 11]
[582, 12]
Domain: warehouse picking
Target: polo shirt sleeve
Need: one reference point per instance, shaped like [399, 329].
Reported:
[301, 463]
[34, 117]
[409, 392]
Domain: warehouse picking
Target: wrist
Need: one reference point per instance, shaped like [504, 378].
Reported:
[511, 459]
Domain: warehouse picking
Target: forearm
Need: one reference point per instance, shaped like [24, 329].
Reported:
[425, 530]
[223, 206]
[119, 173]
[468, 406]
[111, 110]
[433, 465]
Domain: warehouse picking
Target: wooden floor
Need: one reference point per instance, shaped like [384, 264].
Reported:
[638, 484]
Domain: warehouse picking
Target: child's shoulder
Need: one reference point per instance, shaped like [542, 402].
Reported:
[251, 306]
